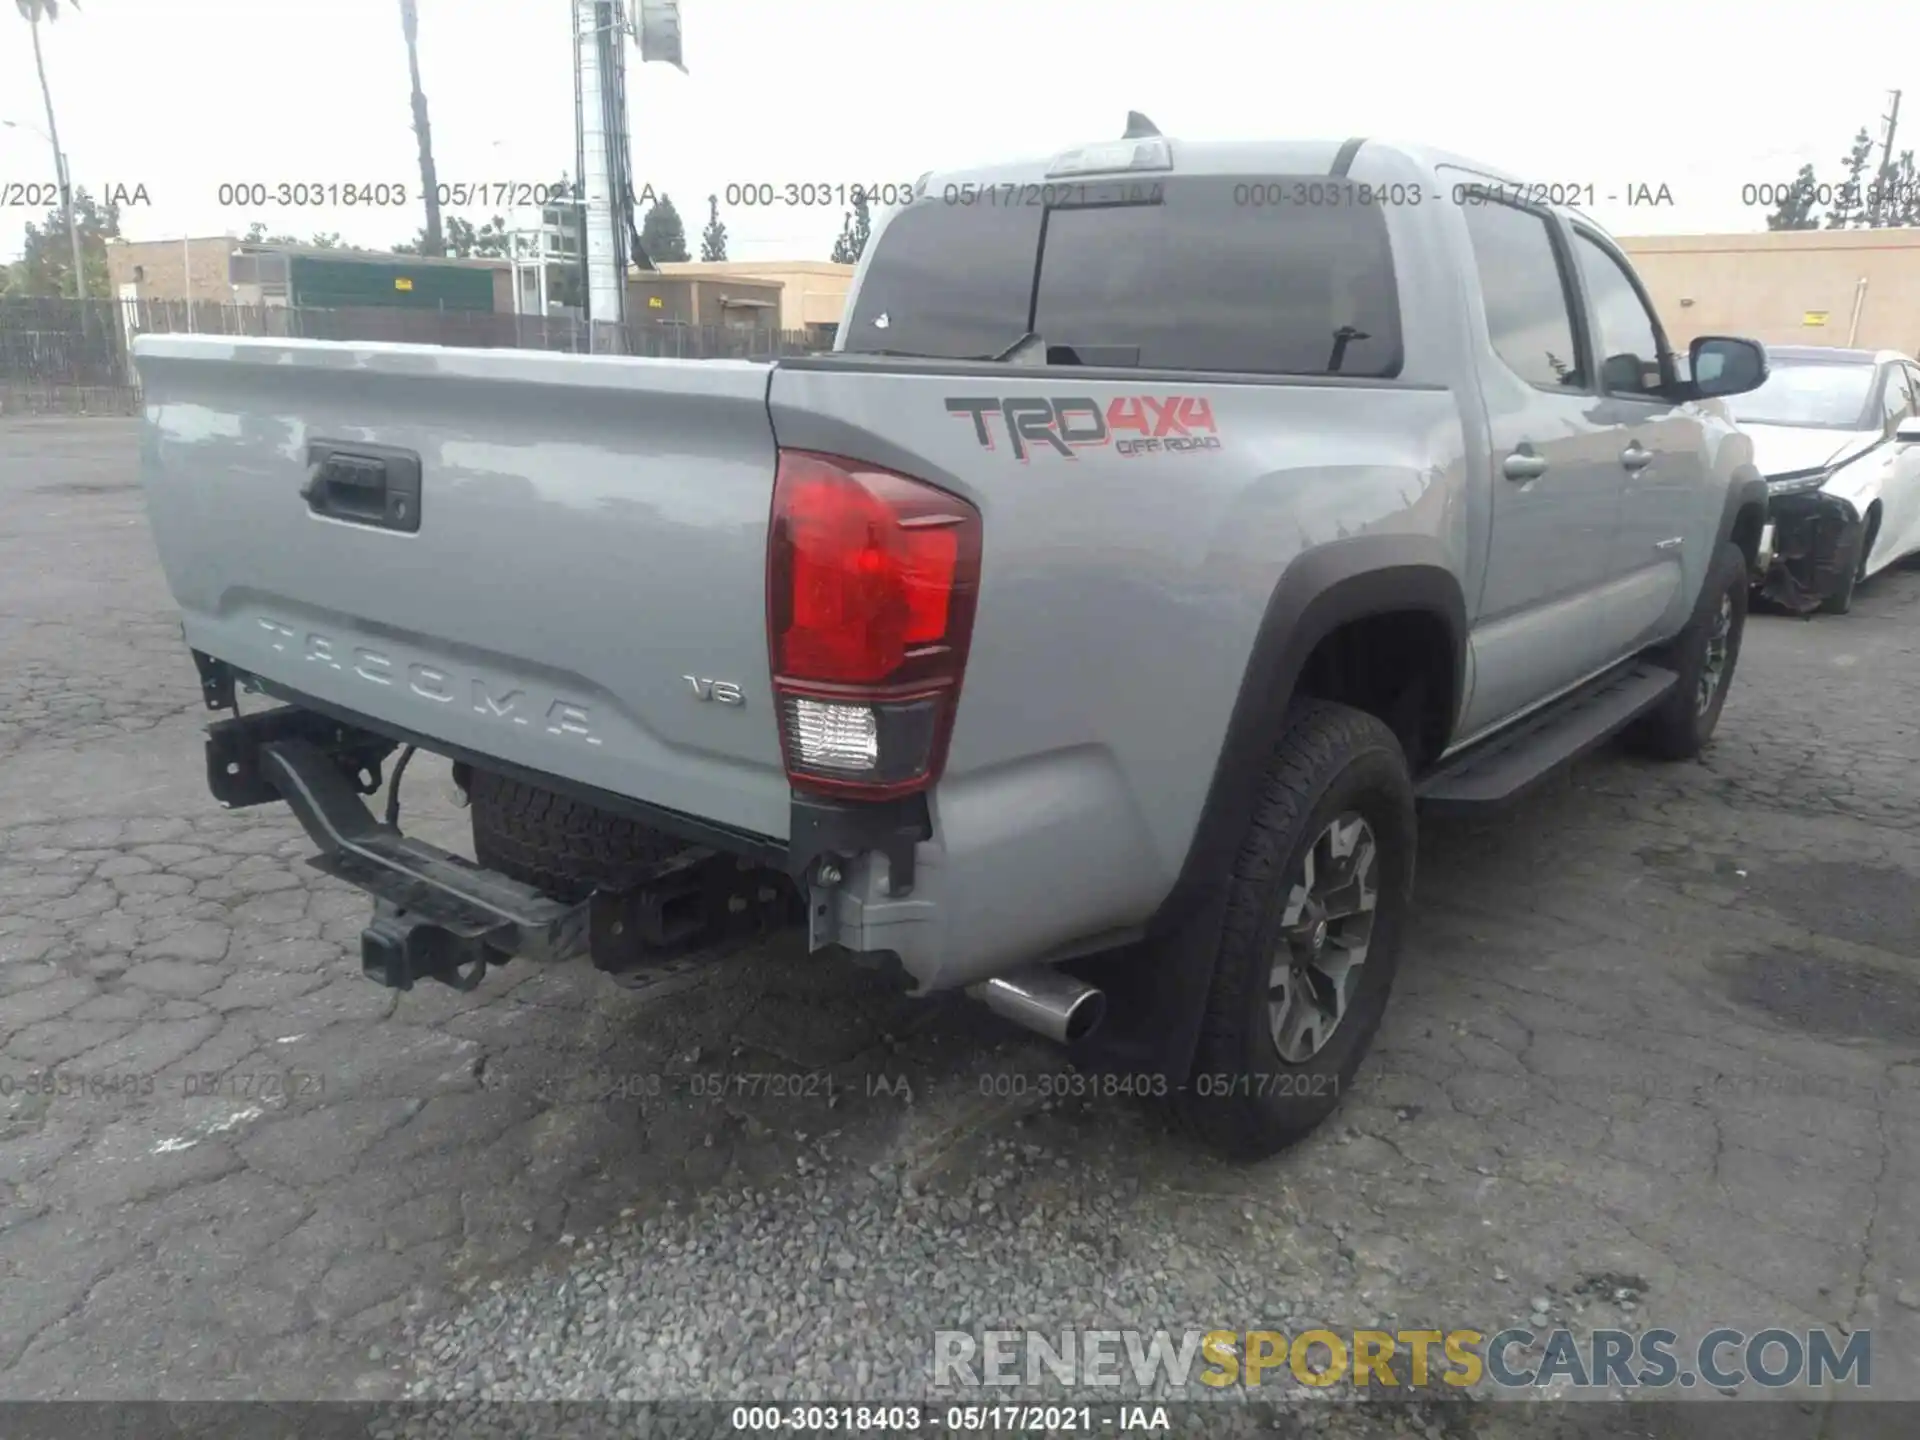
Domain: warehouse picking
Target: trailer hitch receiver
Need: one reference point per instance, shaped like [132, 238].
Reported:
[437, 916]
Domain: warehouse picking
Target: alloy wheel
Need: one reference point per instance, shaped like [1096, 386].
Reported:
[1326, 929]
[1713, 667]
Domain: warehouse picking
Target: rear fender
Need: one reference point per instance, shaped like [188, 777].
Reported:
[1158, 991]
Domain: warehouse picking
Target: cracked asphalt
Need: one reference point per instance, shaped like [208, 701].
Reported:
[1653, 1059]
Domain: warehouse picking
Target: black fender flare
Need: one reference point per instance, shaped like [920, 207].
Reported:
[1747, 491]
[1159, 993]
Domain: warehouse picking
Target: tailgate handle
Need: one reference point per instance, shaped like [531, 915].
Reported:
[373, 485]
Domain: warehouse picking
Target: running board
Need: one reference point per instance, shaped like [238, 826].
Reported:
[1500, 769]
[437, 916]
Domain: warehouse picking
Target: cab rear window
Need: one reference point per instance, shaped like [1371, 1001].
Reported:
[1194, 276]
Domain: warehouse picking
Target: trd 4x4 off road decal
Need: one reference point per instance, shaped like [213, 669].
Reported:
[1132, 424]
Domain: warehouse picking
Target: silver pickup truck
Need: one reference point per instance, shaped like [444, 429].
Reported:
[1169, 521]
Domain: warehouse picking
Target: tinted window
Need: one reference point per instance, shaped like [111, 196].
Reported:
[948, 280]
[1626, 339]
[1203, 283]
[1816, 394]
[1194, 281]
[1897, 402]
[1528, 318]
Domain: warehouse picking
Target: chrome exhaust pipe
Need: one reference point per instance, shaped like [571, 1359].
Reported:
[1047, 1001]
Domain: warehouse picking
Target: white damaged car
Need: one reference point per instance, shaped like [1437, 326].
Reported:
[1837, 434]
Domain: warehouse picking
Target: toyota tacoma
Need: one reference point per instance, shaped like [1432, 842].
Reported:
[1170, 521]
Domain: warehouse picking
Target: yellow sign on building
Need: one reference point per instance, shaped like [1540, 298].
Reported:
[401, 282]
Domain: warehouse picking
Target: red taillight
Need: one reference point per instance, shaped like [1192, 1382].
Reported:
[871, 578]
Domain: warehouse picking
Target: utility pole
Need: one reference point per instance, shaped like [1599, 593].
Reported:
[597, 58]
[1886, 159]
[65, 177]
[600, 32]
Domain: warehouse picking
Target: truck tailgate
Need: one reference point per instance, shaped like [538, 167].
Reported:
[588, 572]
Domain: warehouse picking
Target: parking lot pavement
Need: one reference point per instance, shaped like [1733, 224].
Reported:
[1654, 1059]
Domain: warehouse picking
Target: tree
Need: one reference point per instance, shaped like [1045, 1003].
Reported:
[464, 240]
[46, 266]
[1900, 184]
[1795, 211]
[257, 235]
[1866, 197]
[33, 11]
[854, 233]
[713, 239]
[661, 234]
[429, 177]
[467, 241]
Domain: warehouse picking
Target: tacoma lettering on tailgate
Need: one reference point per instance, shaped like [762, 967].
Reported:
[502, 701]
[1132, 424]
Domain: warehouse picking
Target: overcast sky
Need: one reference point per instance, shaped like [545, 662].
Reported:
[182, 95]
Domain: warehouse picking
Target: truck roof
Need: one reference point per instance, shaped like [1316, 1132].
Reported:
[1258, 157]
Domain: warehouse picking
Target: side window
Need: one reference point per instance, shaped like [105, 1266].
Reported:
[1896, 399]
[1627, 339]
[1528, 318]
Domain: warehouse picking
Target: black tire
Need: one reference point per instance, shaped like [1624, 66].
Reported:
[555, 843]
[1680, 726]
[1840, 602]
[1243, 1099]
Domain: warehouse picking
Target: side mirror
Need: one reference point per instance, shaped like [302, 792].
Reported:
[1908, 431]
[1726, 365]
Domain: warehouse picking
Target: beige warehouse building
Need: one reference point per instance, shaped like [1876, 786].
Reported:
[813, 293]
[1787, 287]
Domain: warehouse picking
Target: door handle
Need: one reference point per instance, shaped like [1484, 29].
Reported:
[1636, 457]
[372, 485]
[1524, 465]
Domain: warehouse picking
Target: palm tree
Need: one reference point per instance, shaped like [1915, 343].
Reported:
[433, 243]
[32, 11]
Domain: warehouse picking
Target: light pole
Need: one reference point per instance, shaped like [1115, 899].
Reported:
[62, 175]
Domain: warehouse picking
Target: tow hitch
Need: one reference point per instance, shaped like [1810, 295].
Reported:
[439, 916]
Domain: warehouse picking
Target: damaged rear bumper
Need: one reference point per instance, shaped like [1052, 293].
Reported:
[1816, 546]
[438, 916]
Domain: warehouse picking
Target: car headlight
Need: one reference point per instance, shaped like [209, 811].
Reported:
[1797, 482]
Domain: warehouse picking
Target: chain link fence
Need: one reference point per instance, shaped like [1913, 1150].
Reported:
[71, 356]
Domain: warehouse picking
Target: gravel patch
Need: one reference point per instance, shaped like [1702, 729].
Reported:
[831, 1291]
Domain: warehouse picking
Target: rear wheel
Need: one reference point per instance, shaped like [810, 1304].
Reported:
[1704, 654]
[1307, 953]
[555, 843]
